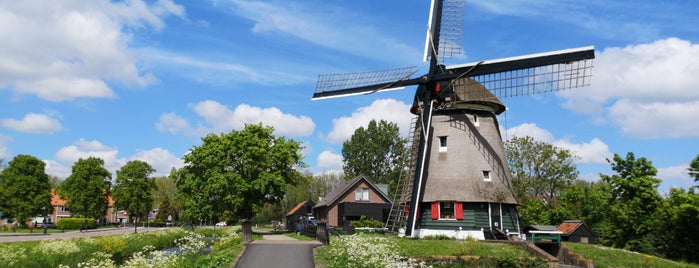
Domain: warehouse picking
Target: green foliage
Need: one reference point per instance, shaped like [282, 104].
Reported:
[164, 199]
[678, 233]
[539, 169]
[133, 190]
[25, 190]
[75, 223]
[87, 189]
[366, 222]
[694, 168]
[633, 202]
[585, 201]
[377, 152]
[235, 174]
[540, 173]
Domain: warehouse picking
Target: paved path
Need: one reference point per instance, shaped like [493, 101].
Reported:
[278, 251]
[39, 235]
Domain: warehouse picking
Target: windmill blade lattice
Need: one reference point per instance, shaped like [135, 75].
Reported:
[538, 79]
[346, 84]
[450, 31]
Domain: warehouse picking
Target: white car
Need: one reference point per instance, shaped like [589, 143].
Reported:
[223, 223]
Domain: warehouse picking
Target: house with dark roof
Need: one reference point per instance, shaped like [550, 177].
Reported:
[303, 209]
[577, 231]
[351, 200]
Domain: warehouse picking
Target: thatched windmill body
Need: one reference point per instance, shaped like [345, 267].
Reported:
[457, 182]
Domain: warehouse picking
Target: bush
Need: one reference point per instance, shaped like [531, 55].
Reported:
[75, 223]
[365, 222]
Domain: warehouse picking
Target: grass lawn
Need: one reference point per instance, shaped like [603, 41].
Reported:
[613, 257]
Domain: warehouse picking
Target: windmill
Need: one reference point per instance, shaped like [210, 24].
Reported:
[457, 181]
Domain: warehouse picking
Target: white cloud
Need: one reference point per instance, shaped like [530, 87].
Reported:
[160, 159]
[647, 90]
[174, 124]
[592, 152]
[328, 160]
[4, 153]
[84, 149]
[674, 176]
[332, 28]
[62, 50]
[222, 119]
[385, 109]
[33, 123]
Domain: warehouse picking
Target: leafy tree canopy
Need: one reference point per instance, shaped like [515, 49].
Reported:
[633, 201]
[377, 152]
[133, 189]
[539, 169]
[231, 176]
[87, 189]
[694, 168]
[25, 190]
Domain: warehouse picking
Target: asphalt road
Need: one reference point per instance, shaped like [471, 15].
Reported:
[278, 251]
[38, 234]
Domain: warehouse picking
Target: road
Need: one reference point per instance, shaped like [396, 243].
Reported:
[38, 234]
[278, 251]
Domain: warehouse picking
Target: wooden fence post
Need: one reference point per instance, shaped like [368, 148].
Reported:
[322, 233]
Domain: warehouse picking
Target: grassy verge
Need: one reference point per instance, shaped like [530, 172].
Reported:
[612, 257]
[374, 250]
[130, 250]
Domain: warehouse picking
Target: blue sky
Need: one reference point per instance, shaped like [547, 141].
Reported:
[146, 79]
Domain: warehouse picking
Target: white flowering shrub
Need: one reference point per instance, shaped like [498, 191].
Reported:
[10, 254]
[98, 260]
[192, 243]
[57, 247]
[366, 251]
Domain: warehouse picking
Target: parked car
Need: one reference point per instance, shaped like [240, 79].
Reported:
[221, 224]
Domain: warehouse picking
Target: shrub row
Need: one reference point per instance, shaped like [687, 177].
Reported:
[75, 223]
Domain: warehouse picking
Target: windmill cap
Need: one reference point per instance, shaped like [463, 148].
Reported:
[465, 93]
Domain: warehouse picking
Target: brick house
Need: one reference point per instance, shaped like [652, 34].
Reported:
[351, 200]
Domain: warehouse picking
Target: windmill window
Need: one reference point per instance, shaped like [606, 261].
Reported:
[361, 194]
[446, 210]
[442, 144]
[486, 175]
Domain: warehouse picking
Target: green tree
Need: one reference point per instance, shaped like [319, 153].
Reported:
[539, 169]
[633, 201]
[26, 190]
[694, 168]
[586, 201]
[231, 176]
[133, 190]
[86, 190]
[377, 152]
[540, 174]
[165, 200]
[677, 236]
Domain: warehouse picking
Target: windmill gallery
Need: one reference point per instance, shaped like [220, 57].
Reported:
[456, 181]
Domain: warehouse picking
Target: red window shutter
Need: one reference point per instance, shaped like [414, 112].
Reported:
[435, 210]
[459, 210]
[418, 211]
